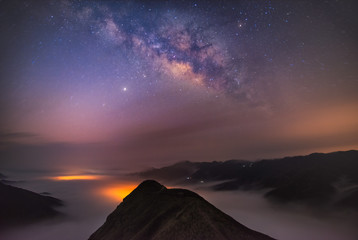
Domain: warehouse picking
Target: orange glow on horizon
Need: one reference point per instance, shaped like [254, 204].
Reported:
[117, 192]
[76, 177]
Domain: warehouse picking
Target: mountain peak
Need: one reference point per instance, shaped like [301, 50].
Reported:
[150, 186]
[147, 187]
[153, 212]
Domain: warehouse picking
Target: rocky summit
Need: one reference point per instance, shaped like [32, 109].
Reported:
[153, 212]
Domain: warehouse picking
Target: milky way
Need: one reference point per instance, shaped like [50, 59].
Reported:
[180, 43]
[178, 79]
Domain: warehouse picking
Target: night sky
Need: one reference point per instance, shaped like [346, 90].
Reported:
[141, 83]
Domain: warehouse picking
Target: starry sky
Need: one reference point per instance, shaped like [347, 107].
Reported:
[139, 83]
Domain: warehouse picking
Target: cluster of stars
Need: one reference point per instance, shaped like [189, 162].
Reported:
[86, 59]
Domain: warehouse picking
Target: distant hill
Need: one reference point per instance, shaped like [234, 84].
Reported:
[2, 176]
[197, 171]
[20, 206]
[176, 172]
[317, 179]
[153, 212]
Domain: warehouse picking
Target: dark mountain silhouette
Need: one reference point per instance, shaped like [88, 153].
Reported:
[350, 200]
[20, 206]
[174, 172]
[153, 212]
[2, 176]
[316, 179]
[196, 171]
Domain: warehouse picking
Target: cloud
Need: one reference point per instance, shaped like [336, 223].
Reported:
[10, 139]
[17, 135]
[153, 135]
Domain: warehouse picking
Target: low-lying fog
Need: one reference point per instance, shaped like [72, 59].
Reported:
[89, 201]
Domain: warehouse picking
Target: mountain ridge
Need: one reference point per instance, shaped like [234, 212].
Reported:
[310, 180]
[20, 206]
[153, 212]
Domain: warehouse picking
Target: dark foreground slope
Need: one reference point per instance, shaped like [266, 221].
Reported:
[153, 212]
[20, 206]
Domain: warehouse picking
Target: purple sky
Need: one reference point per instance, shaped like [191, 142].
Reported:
[140, 83]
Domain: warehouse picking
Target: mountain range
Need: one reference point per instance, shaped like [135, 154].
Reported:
[318, 179]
